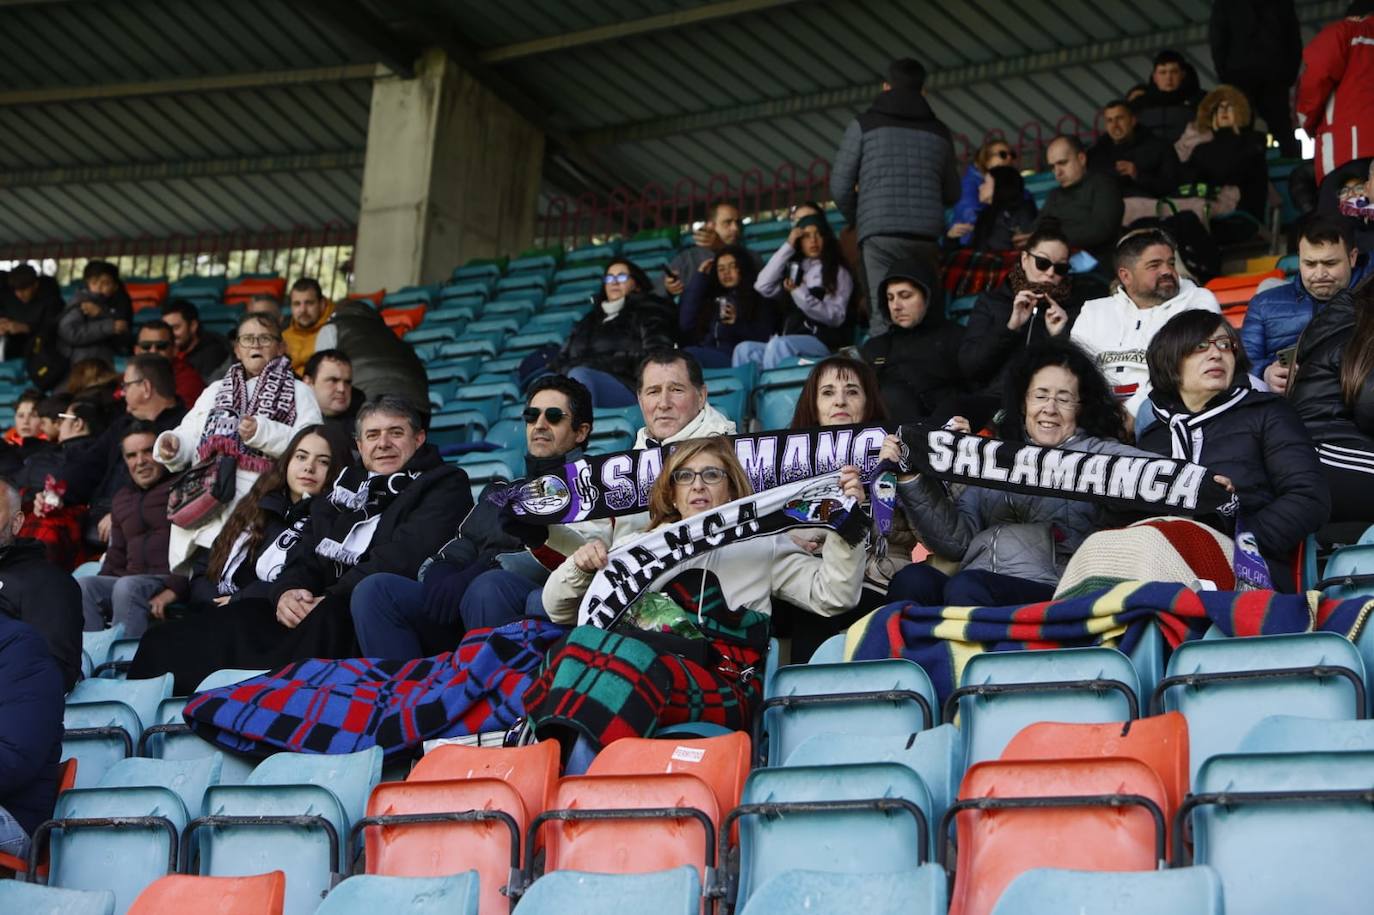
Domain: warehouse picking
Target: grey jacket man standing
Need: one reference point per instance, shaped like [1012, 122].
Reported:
[894, 175]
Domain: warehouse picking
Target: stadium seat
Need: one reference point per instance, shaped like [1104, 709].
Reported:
[122, 652]
[595, 254]
[668, 892]
[36, 899]
[573, 301]
[146, 294]
[916, 891]
[1002, 692]
[453, 426]
[97, 644]
[518, 310]
[721, 762]
[452, 370]
[238, 292]
[1349, 572]
[408, 296]
[66, 779]
[374, 297]
[578, 273]
[481, 268]
[858, 698]
[532, 340]
[1291, 734]
[1287, 832]
[1006, 825]
[767, 228]
[532, 770]
[188, 779]
[452, 895]
[439, 333]
[877, 822]
[260, 894]
[479, 346]
[1051, 891]
[1221, 687]
[171, 737]
[104, 720]
[831, 651]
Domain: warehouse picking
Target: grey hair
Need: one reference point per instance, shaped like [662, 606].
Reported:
[391, 405]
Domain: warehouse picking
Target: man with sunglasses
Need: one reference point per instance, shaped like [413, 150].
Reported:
[492, 572]
[155, 338]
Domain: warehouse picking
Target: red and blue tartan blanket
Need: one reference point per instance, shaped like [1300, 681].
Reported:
[943, 639]
[319, 706]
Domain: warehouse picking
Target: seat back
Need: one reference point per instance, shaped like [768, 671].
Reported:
[805, 701]
[1051, 891]
[721, 762]
[669, 892]
[437, 849]
[349, 776]
[451, 895]
[1292, 734]
[1221, 712]
[629, 846]
[189, 779]
[918, 891]
[531, 770]
[37, 899]
[97, 644]
[98, 735]
[1002, 692]
[1285, 856]
[850, 841]
[1000, 842]
[143, 696]
[260, 894]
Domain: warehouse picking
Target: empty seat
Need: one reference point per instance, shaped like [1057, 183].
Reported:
[1001, 692]
[97, 644]
[532, 770]
[721, 762]
[104, 720]
[918, 891]
[261, 894]
[669, 892]
[1292, 734]
[172, 738]
[452, 895]
[1277, 847]
[1050, 891]
[890, 696]
[1225, 686]
[1005, 828]
[36, 899]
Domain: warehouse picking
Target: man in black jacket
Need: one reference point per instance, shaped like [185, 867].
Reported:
[917, 359]
[1257, 47]
[491, 573]
[1142, 164]
[38, 592]
[27, 302]
[1087, 205]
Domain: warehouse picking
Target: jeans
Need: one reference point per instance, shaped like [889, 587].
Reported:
[879, 253]
[926, 585]
[607, 390]
[771, 354]
[123, 597]
[13, 839]
[389, 612]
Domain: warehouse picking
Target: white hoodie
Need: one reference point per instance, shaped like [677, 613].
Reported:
[1116, 332]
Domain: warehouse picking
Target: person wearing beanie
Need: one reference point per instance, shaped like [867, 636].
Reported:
[893, 176]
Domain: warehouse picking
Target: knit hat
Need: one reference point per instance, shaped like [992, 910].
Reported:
[1157, 549]
[22, 277]
[906, 73]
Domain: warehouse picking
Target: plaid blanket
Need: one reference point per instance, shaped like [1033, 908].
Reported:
[319, 706]
[969, 272]
[943, 639]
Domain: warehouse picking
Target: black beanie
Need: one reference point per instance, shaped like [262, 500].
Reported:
[906, 73]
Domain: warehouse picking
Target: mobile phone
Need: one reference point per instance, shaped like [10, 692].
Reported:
[668, 272]
[1284, 357]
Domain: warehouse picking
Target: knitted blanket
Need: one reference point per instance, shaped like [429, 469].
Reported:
[318, 706]
[943, 639]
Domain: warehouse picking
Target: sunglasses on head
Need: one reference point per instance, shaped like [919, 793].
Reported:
[554, 415]
[1060, 268]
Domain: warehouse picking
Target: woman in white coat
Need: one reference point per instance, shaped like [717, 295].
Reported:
[250, 415]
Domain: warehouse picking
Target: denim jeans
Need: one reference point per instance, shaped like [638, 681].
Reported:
[607, 390]
[926, 585]
[771, 354]
[13, 839]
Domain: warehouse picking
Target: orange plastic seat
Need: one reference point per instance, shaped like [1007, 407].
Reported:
[374, 297]
[721, 762]
[629, 846]
[405, 319]
[1160, 742]
[438, 849]
[262, 894]
[1000, 835]
[1242, 280]
[242, 292]
[1235, 314]
[147, 295]
[66, 778]
[531, 770]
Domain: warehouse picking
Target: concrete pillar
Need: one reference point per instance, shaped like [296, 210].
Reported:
[452, 173]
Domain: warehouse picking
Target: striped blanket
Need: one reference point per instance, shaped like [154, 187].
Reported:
[943, 639]
[318, 706]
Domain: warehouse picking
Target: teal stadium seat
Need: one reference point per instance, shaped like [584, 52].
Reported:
[671, 892]
[578, 273]
[596, 254]
[488, 271]
[529, 341]
[1292, 734]
[104, 720]
[479, 346]
[504, 364]
[433, 333]
[917, 891]
[372, 895]
[1051, 891]
[518, 310]
[36, 899]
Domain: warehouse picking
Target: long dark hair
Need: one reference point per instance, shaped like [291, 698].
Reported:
[832, 258]
[247, 516]
[1098, 412]
[643, 286]
[1357, 362]
[745, 297]
[806, 415]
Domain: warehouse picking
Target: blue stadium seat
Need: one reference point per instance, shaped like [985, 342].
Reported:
[456, 313]
[574, 300]
[36, 899]
[371, 895]
[1349, 572]
[482, 467]
[1050, 891]
[915, 891]
[1292, 734]
[458, 426]
[409, 295]
[611, 434]
[596, 254]
[479, 287]
[530, 341]
[858, 698]
[433, 333]
[672, 892]
[504, 391]
[198, 287]
[489, 272]
[97, 644]
[104, 720]
[959, 309]
[1288, 264]
[578, 273]
[1277, 854]
[454, 369]
[518, 310]
[1002, 692]
[171, 738]
[508, 433]
[831, 651]
[503, 365]
[638, 251]
[188, 779]
[740, 377]
[542, 262]
[561, 321]
[514, 282]
[769, 228]
[480, 346]
[498, 327]
[774, 407]
[1202, 682]
[583, 290]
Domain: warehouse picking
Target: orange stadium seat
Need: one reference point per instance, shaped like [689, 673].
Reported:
[1240, 288]
[374, 297]
[405, 318]
[263, 894]
[150, 294]
[238, 293]
[531, 770]
[721, 762]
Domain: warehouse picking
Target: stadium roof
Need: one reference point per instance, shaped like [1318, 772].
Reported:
[151, 118]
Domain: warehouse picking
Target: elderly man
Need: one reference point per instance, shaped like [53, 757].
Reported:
[1087, 205]
[386, 516]
[492, 571]
[37, 592]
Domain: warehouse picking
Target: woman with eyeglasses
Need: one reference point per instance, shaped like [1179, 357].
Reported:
[249, 416]
[1223, 162]
[964, 214]
[604, 348]
[720, 308]
[702, 657]
[1012, 548]
[1207, 413]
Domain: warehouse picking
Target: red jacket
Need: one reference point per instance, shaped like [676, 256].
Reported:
[1336, 93]
[188, 382]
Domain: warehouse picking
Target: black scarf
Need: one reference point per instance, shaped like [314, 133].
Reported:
[1186, 432]
[361, 499]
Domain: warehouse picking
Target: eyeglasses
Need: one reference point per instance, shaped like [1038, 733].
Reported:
[256, 339]
[154, 345]
[1060, 268]
[554, 415]
[1041, 398]
[1223, 345]
[124, 383]
[1006, 155]
[709, 475]
[616, 278]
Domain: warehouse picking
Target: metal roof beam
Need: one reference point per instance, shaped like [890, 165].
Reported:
[708, 12]
[359, 23]
[226, 82]
[854, 96]
[194, 168]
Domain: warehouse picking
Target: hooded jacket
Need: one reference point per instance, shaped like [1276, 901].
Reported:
[82, 337]
[382, 362]
[917, 367]
[1315, 391]
[31, 727]
[1335, 103]
[895, 171]
[1276, 317]
[34, 590]
[300, 341]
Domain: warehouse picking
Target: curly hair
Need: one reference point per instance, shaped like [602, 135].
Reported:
[1098, 412]
[662, 509]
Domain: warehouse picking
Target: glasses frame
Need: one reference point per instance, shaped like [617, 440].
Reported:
[1060, 268]
[1064, 403]
[684, 477]
[1224, 344]
[531, 415]
[255, 340]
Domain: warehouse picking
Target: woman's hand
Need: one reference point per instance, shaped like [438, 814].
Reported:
[960, 229]
[248, 427]
[1226, 483]
[294, 606]
[892, 451]
[1022, 307]
[1056, 318]
[706, 265]
[590, 556]
[958, 424]
[222, 601]
[167, 448]
[157, 607]
[794, 236]
[851, 483]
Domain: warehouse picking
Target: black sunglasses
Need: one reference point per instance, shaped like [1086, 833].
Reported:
[554, 415]
[153, 344]
[1060, 268]
[1006, 155]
